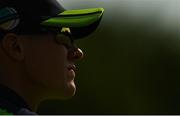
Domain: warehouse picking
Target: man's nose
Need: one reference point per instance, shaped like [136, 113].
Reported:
[75, 54]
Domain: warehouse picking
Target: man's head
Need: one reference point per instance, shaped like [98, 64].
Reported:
[37, 44]
[45, 60]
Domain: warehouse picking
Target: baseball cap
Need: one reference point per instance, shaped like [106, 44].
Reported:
[39, 16]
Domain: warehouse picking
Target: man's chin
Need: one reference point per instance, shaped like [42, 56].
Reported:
[62, 92]
[68, 91]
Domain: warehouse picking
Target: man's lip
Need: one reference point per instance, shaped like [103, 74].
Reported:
[72, 67]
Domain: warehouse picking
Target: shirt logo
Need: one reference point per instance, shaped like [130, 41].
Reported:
[66, 30]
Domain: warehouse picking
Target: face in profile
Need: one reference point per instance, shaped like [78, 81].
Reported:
[49, 63]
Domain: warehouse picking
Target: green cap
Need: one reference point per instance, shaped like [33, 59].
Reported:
[35, 16]
[77, 22]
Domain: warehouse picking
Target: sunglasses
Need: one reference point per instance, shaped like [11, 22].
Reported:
[66, 40]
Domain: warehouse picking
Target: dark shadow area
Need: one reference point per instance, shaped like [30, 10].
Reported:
[131, 66]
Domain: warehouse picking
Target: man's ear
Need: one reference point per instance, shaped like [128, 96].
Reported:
[12, 47]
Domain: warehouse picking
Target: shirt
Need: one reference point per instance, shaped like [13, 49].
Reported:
[12, 103]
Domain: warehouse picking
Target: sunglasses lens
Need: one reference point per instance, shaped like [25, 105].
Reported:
[64, 40]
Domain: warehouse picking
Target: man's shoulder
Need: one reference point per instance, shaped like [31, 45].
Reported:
[7, 107]
[4, 111]
[12, 103]
[11, 109]
[21, 111]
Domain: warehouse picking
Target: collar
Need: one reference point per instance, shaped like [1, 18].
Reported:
[7, 94]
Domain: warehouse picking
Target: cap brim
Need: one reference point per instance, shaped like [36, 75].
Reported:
[80, 22]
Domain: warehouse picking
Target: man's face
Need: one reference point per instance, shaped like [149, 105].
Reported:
[49, 63]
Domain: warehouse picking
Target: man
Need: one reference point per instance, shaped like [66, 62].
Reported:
[37, 51]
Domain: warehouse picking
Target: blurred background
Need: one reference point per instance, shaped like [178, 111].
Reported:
[132, 61]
